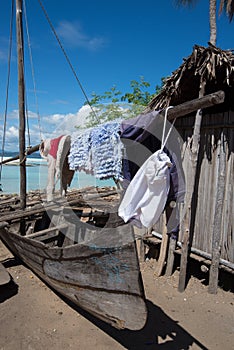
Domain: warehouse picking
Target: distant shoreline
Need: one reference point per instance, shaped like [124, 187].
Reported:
[29, 161]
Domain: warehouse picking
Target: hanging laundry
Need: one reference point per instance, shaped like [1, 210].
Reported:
[106, 151]
[142, 137]
[146, 195]
[143, 130]
[56, 151]
[79, 157]
[98, 151]
[143, 204]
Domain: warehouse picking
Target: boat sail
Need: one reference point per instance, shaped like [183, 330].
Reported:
[95, 263]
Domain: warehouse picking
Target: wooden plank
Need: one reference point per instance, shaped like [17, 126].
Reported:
[183, 261]
[163, 250]
[139, 235]
[48, 231]
[217, 232]
[40, 208]
[171, 255]
[192, 152]
[4, 275]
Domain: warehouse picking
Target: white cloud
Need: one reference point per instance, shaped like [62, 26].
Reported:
[12, 132]
[14, 114]
[67, 124]
[53, 119]
[52, 126]
[73, 35]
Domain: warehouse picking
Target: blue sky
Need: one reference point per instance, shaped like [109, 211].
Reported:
[109, 43]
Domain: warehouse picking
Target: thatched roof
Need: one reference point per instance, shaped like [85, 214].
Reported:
[209, 64]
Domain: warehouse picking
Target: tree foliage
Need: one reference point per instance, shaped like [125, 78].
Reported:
[113, 104]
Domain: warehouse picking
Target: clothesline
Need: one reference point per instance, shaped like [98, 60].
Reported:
[131, 151]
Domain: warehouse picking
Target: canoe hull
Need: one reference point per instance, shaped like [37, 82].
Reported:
[103, 279]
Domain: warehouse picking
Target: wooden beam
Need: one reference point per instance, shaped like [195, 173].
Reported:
[196, 104]
[48, 230]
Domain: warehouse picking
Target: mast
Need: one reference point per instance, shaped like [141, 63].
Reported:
[21, 103]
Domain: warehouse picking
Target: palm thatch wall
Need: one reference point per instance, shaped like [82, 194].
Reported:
[214, 68]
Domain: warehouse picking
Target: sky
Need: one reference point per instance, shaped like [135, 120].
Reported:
[109, 43]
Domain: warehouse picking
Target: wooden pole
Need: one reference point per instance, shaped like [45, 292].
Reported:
[216, 239]
[21, 103]
[29, 151]
[199, 103]
[163, 250]
[171, 255]
[191, 174]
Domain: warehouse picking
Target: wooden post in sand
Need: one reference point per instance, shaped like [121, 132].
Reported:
[192, 153]
[163, 250]
[218, 215]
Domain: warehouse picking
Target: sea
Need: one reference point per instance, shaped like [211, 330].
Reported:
[36, 172]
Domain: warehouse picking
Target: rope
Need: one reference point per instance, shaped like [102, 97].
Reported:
[32, 71]
[27, 123]
[164, 139]
[7, 91]
[67, 58]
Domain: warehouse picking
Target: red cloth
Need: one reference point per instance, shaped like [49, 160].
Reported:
[54, 146]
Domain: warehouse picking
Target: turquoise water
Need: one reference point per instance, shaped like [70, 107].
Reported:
[37, 178]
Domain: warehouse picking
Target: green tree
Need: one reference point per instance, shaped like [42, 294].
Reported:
[224, 5]
[114, 105]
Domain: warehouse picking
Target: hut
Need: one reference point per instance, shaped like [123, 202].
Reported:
[207, 228]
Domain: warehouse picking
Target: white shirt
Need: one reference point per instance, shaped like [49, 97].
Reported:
[146, 195]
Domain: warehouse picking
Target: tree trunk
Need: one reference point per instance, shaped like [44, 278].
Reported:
[213, 28]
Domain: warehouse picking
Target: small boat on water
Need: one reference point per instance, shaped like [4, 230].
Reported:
[78, 246]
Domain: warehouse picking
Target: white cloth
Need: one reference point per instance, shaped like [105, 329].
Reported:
[146, 195]
[56, 166]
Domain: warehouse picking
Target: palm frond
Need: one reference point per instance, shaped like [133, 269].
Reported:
[209, 64]
[228, 6]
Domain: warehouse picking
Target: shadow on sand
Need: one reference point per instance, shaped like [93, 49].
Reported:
[158, 327]
[9, 289]
[159, 332]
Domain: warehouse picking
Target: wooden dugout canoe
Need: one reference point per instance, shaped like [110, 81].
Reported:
[96, 268]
